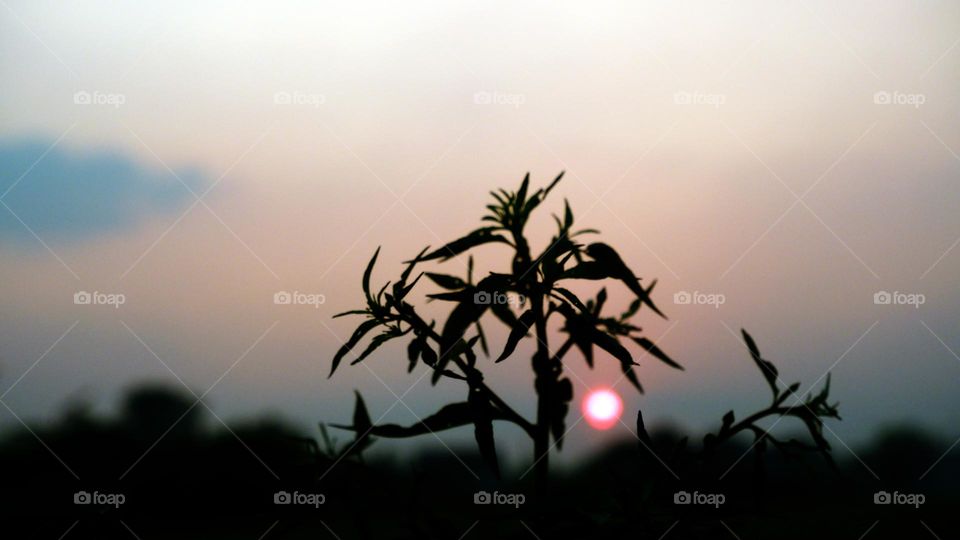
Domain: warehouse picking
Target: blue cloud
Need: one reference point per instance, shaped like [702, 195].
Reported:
[73, 196]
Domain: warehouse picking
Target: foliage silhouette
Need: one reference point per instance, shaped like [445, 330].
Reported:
[204, 480]
[810, 411]
[540, 281]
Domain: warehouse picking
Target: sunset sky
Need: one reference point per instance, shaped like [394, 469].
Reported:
[199, 157]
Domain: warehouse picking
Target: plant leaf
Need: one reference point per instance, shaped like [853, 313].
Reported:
[631, 376]
[591, 270]
[361, 418]
[400, 288]
[352, 312]
[362, 427]
[375, 344]
[428, 354]
[450, 283]
[612, 346]
[572, 298]
[645, 440]
[448, 417]
[452, 296]
[651, 348]
[368, 271]
[631, 311]
[518, 332]
[413, 352]
[611, 263]
[355, 338]
[766, 367]
[484, 235]
[521, 198]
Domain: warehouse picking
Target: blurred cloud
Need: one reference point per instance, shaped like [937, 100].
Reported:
[74, 195]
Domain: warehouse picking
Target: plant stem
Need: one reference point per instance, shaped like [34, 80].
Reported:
[748, 422]
[545, 372]
[544, 382]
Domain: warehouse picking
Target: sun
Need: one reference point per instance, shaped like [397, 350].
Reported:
[602, 408]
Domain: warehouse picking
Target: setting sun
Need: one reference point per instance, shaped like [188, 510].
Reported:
[602, 408]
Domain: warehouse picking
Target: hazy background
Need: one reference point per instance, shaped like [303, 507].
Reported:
[688, 132]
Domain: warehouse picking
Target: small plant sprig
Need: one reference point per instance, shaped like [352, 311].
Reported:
[811, 411]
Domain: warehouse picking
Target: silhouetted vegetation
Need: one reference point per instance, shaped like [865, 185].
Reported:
[540, 285]
[197, 481]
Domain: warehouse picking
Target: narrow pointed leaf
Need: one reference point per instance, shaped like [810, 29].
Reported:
[361, 418]
[450, 283]
[631, 376]
[646, 441]
[448, 417]
[375, 344]
[355, 338]
[612, 346]
[651, 348]
[476, 238]
[572, 298]
[352, 312]
[611, 263]
[766, 367]
[553, 184]
[413, 353]
[518, 332]
[368, 271]
[522, 194]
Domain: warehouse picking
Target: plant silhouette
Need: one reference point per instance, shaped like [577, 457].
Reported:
[540, 280]
[810, 410]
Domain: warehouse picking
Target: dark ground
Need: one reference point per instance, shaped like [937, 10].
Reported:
[198, 483]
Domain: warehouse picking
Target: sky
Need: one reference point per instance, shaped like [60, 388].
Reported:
[776, 164]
